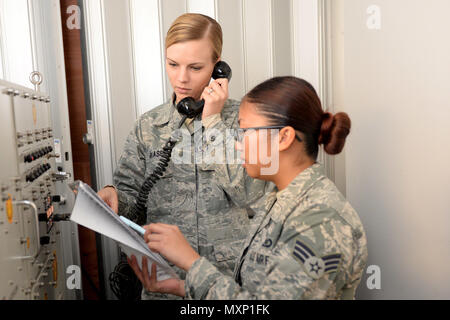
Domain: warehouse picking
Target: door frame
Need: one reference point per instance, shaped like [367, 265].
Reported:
[312, 56]
[99, 110]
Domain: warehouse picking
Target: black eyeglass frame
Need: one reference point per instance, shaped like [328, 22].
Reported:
[236, 132]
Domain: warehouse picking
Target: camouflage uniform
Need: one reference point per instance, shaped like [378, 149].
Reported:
[212, 215]
[310, 245]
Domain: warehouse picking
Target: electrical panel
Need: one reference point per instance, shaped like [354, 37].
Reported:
[37, 243]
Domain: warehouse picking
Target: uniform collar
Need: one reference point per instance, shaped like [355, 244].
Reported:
[289, 198]
[165, 114]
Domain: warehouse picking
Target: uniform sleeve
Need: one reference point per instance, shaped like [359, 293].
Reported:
[297, 269]
[219, 155]
[130, 171]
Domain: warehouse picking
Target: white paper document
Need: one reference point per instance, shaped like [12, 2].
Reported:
[91, 212]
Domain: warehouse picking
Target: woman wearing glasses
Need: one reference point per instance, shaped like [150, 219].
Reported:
[310, 243]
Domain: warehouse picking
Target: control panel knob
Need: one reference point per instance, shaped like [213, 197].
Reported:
[44, 240]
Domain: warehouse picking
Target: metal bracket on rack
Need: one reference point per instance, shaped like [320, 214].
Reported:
[36, 79]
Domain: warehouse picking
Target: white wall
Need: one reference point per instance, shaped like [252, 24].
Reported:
[15, 40]
[394, 84]
[121, 72]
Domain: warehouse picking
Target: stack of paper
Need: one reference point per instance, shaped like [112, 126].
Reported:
[91, 212]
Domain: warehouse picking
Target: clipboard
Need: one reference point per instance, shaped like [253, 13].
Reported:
[92, 212]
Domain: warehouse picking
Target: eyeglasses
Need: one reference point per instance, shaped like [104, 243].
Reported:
[240, 133]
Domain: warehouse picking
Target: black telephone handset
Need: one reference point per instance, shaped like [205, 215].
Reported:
[189, 107]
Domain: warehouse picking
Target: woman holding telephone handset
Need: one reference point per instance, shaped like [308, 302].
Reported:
[213, 215]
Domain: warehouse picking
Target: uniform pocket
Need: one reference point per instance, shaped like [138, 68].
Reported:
[165, 196]
[226, 256]
[226, 252]
[228, 241]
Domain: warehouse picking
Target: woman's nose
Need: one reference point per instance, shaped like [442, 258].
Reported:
[183, 75]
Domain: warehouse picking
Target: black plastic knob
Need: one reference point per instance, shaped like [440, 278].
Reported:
[44, 240]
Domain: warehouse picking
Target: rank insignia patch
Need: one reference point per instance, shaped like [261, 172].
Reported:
[315, 266]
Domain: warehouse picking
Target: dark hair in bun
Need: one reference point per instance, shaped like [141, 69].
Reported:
[290, 101]
[333, 132]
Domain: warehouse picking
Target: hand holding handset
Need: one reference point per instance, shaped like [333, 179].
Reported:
[189, 107]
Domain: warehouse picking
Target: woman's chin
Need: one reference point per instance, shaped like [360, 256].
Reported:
[251, 171]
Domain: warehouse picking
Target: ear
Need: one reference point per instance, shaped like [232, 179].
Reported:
[286, 138]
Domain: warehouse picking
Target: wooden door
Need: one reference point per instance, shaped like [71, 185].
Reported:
[92, 288]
